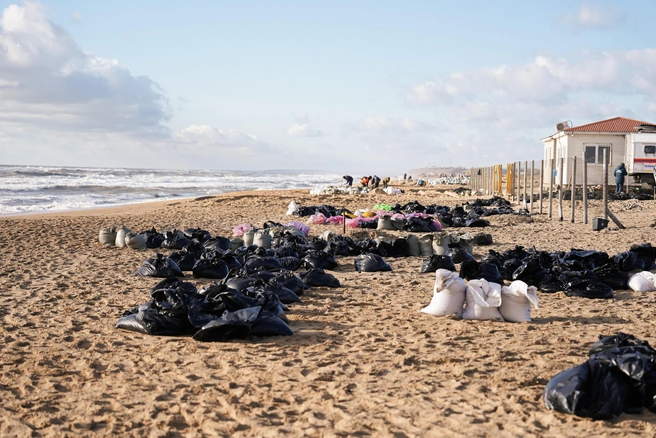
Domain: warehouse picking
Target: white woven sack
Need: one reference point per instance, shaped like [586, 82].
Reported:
[413, 245]
[135, 241]
[107, 236]
[441, 242]
[426, 245]
[448, 294]
[483, 299]
[248, 237]
[326, 235]
[120, 236]
[262, 238]
[644, 281]
[236, 242]
[516, 301]
[385, 223]
[292, 208]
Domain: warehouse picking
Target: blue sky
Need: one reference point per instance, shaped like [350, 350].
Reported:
[345, 86]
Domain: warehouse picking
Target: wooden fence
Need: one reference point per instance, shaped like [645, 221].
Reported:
[545, 184]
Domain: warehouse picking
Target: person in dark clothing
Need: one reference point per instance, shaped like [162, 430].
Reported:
[620, 173]
[349, 180]
[376, 181]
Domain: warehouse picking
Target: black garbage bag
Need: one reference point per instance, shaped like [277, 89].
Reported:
[285, 295]
[611, 274]
[268, 324]
[291, 281]
[371, 263]
[232, 325]
[459, 255]
[230, 298]
[242, 283]
[217, 243]
[477, 223]
[589, 259]
[490, 272]
[530, 271]
[394, 248]
[470, 269]
[195, 248]
[184, 260]
[482, 239]
[420, 225]
[646, 253]
[174, 240]
[585, 284]
[319, 260]
[174, 283]
[150, 319]
[551, 284]
[159, 266]
[629, 261]
[517, 253]
[587, 390]
[434, 262]
[290, 263]
[620, 340]
[210, 268]
[198, 234]
[318, 278]
[620, 376]
[267, 263]
[154, 239]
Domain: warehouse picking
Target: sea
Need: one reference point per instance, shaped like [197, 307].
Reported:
[42, 189]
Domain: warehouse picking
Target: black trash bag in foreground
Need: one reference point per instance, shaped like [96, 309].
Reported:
[159, 266]
[371, 263]
[620, 376]
[434, 262]
[319, 259]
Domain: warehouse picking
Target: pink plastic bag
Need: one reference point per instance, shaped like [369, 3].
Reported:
[239, 230]
[299, 226]
[339, 220]
[318, 218]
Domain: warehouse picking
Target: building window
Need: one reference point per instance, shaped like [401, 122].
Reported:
[594, 153]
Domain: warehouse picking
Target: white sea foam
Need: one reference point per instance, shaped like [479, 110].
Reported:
[34, 189]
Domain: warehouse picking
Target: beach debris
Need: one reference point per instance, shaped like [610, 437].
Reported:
[159, 266]
[516, 301]
[482, 300]
[371, 263]
[434, 262]
[448, 294]
[618, 377]
[644, 281]
[107, 236]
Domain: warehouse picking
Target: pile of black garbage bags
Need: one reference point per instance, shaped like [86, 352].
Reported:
[619, 376]
[583, 273]
[467, 215]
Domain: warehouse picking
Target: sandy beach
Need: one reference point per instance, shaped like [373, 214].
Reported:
[363, 360]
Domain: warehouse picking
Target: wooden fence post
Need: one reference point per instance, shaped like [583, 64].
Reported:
[541, 182]
[573, 188]
[585, 191]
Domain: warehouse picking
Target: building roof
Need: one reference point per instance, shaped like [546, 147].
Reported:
[617, 124]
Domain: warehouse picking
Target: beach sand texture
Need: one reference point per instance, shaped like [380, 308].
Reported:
[363, 360]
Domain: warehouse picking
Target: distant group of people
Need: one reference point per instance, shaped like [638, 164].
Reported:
[371, 182]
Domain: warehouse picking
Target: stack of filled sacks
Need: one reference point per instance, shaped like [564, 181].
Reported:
[481, 299]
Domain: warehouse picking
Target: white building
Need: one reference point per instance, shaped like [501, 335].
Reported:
[589, 142]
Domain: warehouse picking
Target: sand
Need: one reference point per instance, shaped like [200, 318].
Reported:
[363, 360]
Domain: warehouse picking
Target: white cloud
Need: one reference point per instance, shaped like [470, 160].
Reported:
[594, 16]
[44, 75]
[303, 130]
[382, 124]
[77, 17]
